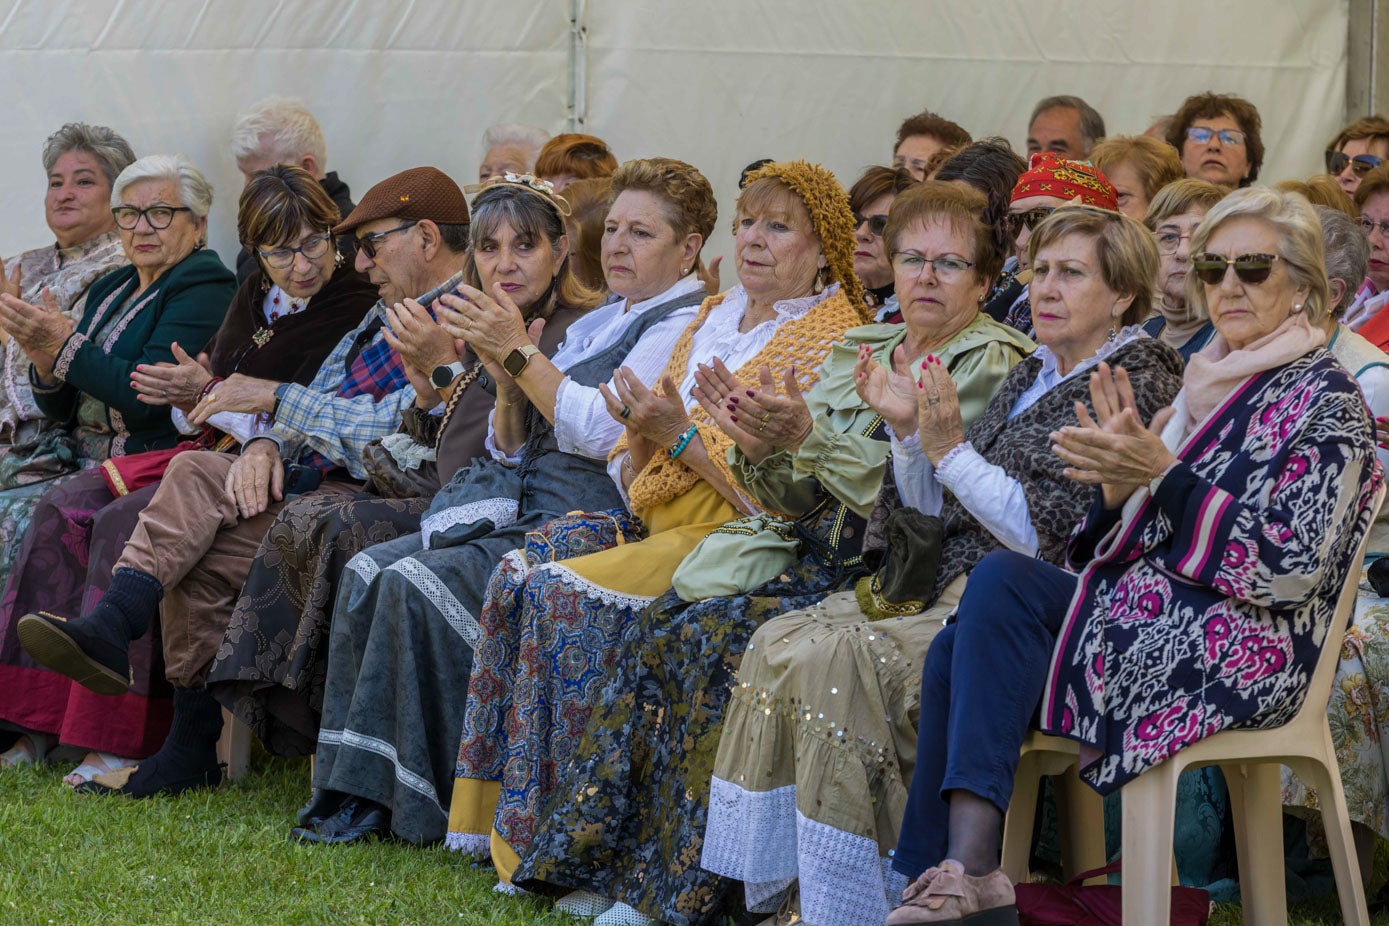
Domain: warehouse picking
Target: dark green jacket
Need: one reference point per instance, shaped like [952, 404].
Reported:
[186, 305]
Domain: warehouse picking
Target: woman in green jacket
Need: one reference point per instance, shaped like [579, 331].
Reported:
[174, 291]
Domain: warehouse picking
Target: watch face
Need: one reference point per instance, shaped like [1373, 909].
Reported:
[441, 377]
[514, 363]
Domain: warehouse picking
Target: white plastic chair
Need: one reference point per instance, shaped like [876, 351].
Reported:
[1250, 761]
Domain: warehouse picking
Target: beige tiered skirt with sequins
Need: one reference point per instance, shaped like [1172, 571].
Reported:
[816, 757]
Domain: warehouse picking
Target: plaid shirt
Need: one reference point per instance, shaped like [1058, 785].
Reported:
[357, 396]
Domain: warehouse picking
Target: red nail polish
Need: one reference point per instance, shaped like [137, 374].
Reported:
[751, 393]
[733, 399]
[732, 418]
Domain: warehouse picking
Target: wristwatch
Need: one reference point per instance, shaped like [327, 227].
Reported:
[445, 374]
[516, 361]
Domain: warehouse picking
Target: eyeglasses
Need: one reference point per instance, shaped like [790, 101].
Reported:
[1030, 219]
[1249, 268]
[158, 217]
[1167, 241]
[367, 243]
[1370, 225]
[946, 269]
[1229, 138]
[312, 248]
[1337, 161]
[877, 224]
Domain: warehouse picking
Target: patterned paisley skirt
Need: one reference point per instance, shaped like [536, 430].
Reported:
[650, 743]
[551, 634]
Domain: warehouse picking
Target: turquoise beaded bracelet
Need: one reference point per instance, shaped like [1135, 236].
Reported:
[683, 442]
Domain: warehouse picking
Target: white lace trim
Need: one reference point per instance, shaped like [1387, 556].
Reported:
[583, 904]
[365, 567]
[458, 617]
[766, 896]
[406, 451]
[351, 739]
[751, 835]
[500, 511]
[608, 596]
[894, 883]
[761, 839]
[509, 889]
[841, 876]
[476, 845]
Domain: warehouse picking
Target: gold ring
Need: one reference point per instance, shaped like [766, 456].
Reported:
[761, 427]
[212, 397]
[765, 417]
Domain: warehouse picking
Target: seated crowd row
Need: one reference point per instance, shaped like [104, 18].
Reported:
[522, 527]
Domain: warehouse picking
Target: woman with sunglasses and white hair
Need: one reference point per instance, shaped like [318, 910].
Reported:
[1210, 561]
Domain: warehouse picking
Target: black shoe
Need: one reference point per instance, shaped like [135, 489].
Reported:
[358, 819]
[160, 775]
[323, 804]
[92, 651]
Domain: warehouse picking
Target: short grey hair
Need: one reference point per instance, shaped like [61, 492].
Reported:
[194, 190]
[1299, 242]
[1347, 252]
[515, 134]
[111, 151]
[1091, 122]
[293, 132]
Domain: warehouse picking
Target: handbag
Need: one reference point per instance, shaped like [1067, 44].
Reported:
[737, 557]
[1077, 904]
[903, 577]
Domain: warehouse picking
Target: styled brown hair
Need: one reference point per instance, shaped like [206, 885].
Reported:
[1127, 252]
[877, 182]
[589, 201]
[1156, 163]
[963, 207]
[1373, 183]
[927, 123]
[278, 203]
[1374, 128]
[690, 205]
[1322, 190]
[1213, 106]
[573, 154]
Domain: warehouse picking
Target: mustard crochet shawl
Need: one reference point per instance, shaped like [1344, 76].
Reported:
[803, 342]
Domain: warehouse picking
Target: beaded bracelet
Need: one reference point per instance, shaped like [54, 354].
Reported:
[683, 442]
[208, 387]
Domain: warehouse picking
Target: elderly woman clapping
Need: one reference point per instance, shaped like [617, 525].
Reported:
[1229, 469]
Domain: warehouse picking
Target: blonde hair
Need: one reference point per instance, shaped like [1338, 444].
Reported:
[1322, 190]
[1127, 252]
[1300, 244]
[690, 205]
[1156, 163]
[1181, 196]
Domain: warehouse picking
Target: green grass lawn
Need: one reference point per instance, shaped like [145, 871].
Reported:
[224, 857]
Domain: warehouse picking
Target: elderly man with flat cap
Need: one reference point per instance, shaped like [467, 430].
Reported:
[196, 540]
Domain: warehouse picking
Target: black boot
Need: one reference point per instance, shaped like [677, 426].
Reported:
[188, 758]
[93, 650]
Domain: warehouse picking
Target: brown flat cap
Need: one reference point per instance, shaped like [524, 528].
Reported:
[417, 193]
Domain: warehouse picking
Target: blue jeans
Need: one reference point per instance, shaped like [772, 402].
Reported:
[980, 690]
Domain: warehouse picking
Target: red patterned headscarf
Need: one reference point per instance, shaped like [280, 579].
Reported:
[1053, 175]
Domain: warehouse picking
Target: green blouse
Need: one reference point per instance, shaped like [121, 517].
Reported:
[840, 456]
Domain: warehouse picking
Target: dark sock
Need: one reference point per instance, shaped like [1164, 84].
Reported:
[131, 600]
[188, 758]
[197, 721]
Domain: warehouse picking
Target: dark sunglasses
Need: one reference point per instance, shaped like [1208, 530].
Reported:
[367, 243]
[1337, 161]
[1030, 219]
[877, 224]
[1249, 268]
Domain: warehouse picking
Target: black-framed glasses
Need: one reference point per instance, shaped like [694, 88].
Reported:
[1030, 219]
[1249, 268]
[946, 269]
[368, 243]
[1229, 138]
[1362, 164]
[158, 217]
[312, 248]
[1167, 241]
[877, 224]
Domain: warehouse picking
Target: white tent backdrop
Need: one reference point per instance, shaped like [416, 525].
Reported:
[718, 83]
